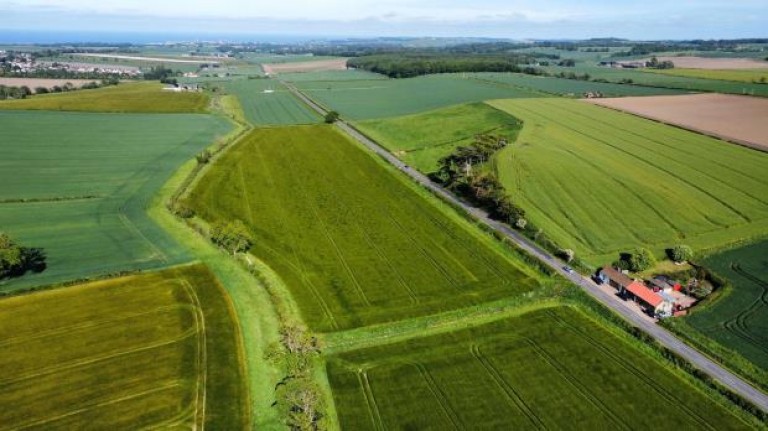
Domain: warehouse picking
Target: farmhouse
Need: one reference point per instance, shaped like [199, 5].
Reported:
[657, 304]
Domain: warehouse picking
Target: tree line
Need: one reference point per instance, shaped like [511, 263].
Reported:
[411, 65]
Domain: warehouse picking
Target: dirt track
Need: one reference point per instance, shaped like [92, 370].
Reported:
[306, 66]
[715, 63]
[739, 119]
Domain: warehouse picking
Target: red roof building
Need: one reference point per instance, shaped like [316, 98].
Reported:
[645, 294]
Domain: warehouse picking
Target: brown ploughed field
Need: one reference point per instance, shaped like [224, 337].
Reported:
[739, 119]
[306, 66]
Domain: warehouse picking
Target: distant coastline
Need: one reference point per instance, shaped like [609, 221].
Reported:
[23, 37]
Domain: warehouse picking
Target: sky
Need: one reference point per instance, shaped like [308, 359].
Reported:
[512, 19]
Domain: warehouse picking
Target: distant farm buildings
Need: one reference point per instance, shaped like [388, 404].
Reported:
[623, 64]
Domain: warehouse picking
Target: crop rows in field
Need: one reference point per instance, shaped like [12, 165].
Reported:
[268, 102]
[156, 350]
[354, 244]
[741, 75]
[332, 75]
[571, 87]
[78, 184]
[602, 182]
[422, 139]
[141, 97]
[548, 369]
[665, 81]
[740, 320]
[382, 98]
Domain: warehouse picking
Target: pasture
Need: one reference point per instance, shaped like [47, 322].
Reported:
[356, 244]
[570, 87]
[547, 369]
[268, 102]
[602, 182]
[78, 184]
[383, 98]
[739, 320]
[134, 97]
[422, 139]
[159, 350]
[738, 119]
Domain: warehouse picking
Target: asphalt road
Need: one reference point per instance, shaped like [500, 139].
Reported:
[664, 337]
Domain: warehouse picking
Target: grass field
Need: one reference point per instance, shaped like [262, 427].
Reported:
[665, 81]
[548, 369]
[571, 87]
[279, 107]
[380, 98]
[422, 139]
[601, 182]
[138, 97]
[355, 244]
[158, 350]
[739, 321]
[741, 75]
[78, 184]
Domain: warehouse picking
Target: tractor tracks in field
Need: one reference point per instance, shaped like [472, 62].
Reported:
[663, 336]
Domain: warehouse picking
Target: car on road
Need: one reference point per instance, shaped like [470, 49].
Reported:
[568, 269]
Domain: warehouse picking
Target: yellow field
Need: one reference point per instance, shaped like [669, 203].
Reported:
[146, 97]
[155, 350]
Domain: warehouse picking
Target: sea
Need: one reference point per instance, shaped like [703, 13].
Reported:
[21, 37]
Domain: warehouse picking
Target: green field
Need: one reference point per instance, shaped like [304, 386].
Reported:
[138, 97]
[380, 98]
[739, 321]
[78, 184]
[332, 75]
[603, 182]
[280, 107]
[159, 350]
[549, 369]
[571, 87]
[651, 79]
[422, 139]
[749, 76]
[355, 244]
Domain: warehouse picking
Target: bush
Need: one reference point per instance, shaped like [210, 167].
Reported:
[203, 157]
[331, 117]
[680, 253]
[232, 236]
